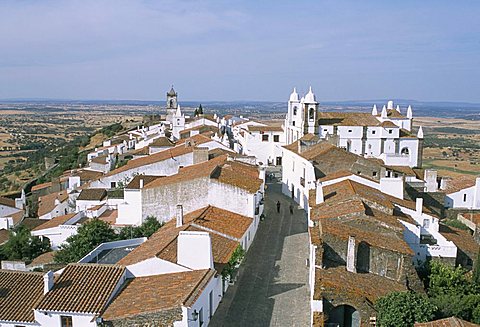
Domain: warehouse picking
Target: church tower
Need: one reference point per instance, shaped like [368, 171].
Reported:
[310, 113]
[171, 104]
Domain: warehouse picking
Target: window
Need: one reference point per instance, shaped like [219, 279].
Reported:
[210, 304]
[373, 132]
[200, 318]
[276, 138]
[374, 174]
[293, 166]
[113, 184]
[311, 114]
[465, 197]
[293, 123]
[66, 321]
[294, 111]
[265, 138]
[390, 131]
[349, 130]
[426, 223]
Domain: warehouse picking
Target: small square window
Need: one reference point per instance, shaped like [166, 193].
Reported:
[276, 138]
[374, 174]
[349, 130]
[265, 137]
[373, 132]
[390, 131]
[66, 321]
[113, 184]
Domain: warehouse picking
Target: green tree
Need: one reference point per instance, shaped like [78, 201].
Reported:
[200, 109]
[403, 309]
[21, 245]
[89, 235]
[195, 113]
[146, 229]
[476, 272]
[445, 280]
[234, 262]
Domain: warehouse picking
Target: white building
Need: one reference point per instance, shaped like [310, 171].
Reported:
[58, 229]
[462, 192]
[387, 136]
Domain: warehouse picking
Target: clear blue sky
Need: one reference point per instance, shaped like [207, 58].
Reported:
[240, 50]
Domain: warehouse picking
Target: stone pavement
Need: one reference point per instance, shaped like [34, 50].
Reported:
[271, 289]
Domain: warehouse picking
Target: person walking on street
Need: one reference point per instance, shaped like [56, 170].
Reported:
[278, 206]
[291, 209]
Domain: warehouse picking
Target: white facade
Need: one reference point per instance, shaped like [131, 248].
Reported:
[59, 234]
[467, 198]
[265, 144]
[301, 117]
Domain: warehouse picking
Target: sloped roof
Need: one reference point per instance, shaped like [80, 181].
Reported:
[46, 203]
[102, 160]
[92, 194]
[45, 258]
[54, 222]
[162, 142]
[7, 202]
[19, 293]
[253, 128]
[4, 236]
[41, 186]
[459, 183]
[446, 322]
[178, 150]
[462, 239]
[347, 119]
[82, 288]
[135, 182]
[347, 284]
[154, 294]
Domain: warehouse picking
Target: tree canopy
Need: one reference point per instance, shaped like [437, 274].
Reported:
[403, 309]
[90, 235]
[146, 229]
[21, 245]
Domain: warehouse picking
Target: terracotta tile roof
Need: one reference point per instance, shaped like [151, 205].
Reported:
[354, 286]
[253, 128]
[178, 150]
[344, 173]
[31, 223]
[163, 244]
[42, 259]
[88, 175]
[446, 322]
[347, 119]
[201, 129]
[142, 151]
[7, 202]
[388, 124]
[462, 239]
[166, 291]
[405, 170]
[222, 247]
[41, 186]
[235, 173]
[393, 113]
[83, 288]
[102, 160]
[459, 183]
[46, 203]
[54, 222]
[92, 194]
[4, 236]
[109, 216]
[135, 182]
[19, 292]
[162, 142]
[220, 220]
[17, 217]
[313, 152]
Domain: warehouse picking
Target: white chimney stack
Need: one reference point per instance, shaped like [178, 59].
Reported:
[384, 112]
[409, 112]
[419, 206]
[319, 193]
[194, 250]
[47, 282]
[390, 104]
[141, 183]
[374, 110]
[179, 215]
[351, 254]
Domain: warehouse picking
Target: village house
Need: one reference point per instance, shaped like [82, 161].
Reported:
[54, 205]
[58, 229]
[11, 211]
[214, 182]
[462, 192]
[163, 163]
[20, 291]
[387, 136]
[75, 298]
[89, 198]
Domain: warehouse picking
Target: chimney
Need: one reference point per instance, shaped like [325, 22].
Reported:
[319, 193]
[351, 254]
[200, 154]
[179, 215]
[419, 206]
[390, 104]
[141, 183]
[194, 250]
[47, 282]
[393, 186]
[430, 178]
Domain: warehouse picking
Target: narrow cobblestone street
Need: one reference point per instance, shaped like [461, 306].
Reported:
[271, 289]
